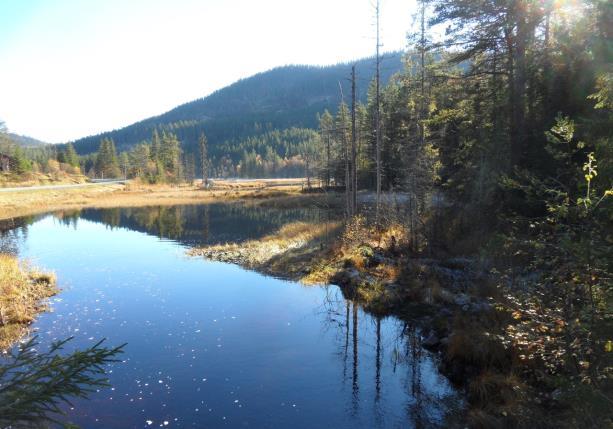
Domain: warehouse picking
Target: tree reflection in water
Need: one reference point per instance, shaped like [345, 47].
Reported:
[191, 225]
[13, 232]
[203, 224]
[371, 344]
[387, 379]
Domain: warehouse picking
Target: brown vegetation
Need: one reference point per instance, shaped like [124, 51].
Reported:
[291, 252]
[136, 194]
[51, 177]
[22, 294]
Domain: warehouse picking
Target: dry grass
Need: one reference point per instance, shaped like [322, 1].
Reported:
[477, 348]
[37, 179]
[358, 233]
[494, 389]
[292, 184]
[320, 273]
[287, 253]
[22, 292]
[355, 250]
[388, 271]
[497, 400]
[135, 194]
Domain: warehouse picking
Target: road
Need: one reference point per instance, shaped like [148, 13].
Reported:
[51, 187]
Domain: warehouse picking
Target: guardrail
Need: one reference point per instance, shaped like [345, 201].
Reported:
[107, 180]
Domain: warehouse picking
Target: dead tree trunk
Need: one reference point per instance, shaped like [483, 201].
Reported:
[204, 161]
[378, 119]
[354, 165]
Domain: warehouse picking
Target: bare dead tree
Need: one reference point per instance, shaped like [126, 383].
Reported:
[422, 52]
[378, 115]
[353, 165]
[325, 137]
[345, 145]
[204, 160]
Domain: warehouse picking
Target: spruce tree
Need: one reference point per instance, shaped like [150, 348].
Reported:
[70, 155]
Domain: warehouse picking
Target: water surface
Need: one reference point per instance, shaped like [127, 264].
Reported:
[212, 345]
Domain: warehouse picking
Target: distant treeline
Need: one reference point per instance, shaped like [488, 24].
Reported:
[161, 159]
[48, 159]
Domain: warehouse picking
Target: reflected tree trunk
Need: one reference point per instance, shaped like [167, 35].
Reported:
[356, 387]
[346, 354]
[378, 363]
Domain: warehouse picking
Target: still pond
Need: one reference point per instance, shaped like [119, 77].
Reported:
[210, 344]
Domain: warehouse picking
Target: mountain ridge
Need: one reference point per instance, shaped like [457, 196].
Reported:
[26, 141]
[283, 97]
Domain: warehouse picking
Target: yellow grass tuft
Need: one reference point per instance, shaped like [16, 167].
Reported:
[22, 291]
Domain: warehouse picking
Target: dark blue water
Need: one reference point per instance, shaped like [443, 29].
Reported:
[213, 345]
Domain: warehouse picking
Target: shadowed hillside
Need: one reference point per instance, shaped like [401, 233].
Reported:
[281, 98]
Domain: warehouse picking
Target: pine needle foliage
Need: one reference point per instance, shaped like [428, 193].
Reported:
[34, 385]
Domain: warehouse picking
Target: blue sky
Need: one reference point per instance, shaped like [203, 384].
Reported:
[70, 68]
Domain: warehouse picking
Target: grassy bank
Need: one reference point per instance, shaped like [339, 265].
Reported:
[289, 253]
[28, 202]
[23, 291]
[324, 253]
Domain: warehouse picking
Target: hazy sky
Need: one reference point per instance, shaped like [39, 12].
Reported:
[71, 68]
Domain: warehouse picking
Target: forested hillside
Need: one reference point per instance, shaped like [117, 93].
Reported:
[282, 98]
[25, 141]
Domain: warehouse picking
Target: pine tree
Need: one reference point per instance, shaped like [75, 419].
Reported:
[326, 130]
[156, 145]
[107, 164]
[170, 156]
[497, 37]
[140, 159]
[124, 163]
[70, 155]
[341, 148]
[21, 164]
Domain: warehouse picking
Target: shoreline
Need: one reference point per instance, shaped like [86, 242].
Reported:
[38, 201]
[477, 323]
[466, 317]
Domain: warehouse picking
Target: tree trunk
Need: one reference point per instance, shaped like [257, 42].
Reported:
[353, 163]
